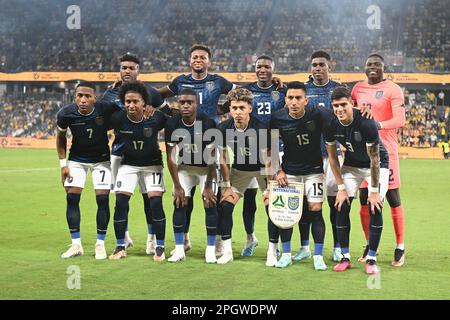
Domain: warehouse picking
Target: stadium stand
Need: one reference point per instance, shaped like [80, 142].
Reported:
[162, 31]
[426, 123]
[28, 118]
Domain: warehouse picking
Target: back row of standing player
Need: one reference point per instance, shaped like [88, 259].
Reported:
[377, 93]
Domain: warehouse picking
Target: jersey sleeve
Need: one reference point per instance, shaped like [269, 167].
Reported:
[162, 120]
[397, 101]
[173, 86]
[326, 116]
[355, 88]
[117, 119]
[156, 100]
[110, 107]
[222, 128]
[105, 96]
[328, 133]
[370, 131]
[226, 86]
[210, 124]
[168, 131]
[61, 121]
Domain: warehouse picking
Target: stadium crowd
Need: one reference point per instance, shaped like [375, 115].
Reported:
[236, 32]
[425, 126]
[29, 118]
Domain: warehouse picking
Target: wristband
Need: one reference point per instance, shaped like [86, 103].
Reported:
[226, 184]
[62, 163]
[373, 190]
[341, 187]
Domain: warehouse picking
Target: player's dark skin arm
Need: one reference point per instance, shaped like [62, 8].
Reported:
[374, 200]
[209, 198]
[61, 149]
[166, 92]
[178, 191]
[342, 195]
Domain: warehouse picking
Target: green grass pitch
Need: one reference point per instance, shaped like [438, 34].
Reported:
[33, 234]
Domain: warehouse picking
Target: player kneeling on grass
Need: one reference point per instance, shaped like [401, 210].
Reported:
[195, 166]
[141, 160]
[88, 121]
[249, 140]
[365, 159]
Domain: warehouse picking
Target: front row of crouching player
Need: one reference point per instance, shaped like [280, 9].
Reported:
[241, 146]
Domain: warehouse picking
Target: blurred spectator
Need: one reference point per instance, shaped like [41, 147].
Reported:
[424, 127]
[35, 119]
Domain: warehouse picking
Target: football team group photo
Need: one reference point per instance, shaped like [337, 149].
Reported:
[189, 150]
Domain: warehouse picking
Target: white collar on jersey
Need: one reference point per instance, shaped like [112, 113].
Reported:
[85, 115]
[297, 118]
[240, 130]
[346, 125]
[264, 88]
[201, 78]
[321, 85]
[188, 125]
[136, 121]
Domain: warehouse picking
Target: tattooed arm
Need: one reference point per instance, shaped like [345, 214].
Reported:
[374, 199]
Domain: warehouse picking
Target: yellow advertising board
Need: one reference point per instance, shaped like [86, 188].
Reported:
[424, 78]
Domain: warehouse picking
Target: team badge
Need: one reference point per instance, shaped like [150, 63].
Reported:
[279, 202]
[99, 121]
[379, 94]
[210, 85]
[293, 202]
[119, 184]
[357, 136]
[70, 179]
[275, 95]
[148, 132]
[311, 126]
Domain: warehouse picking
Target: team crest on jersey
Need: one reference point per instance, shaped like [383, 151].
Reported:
[70, 179]
[311, 126]
[147, 132]
[379, 94]
[275, 95]
[293, 202]
[119, 184]
[99, 121]
[210, 85]
[357, 136]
